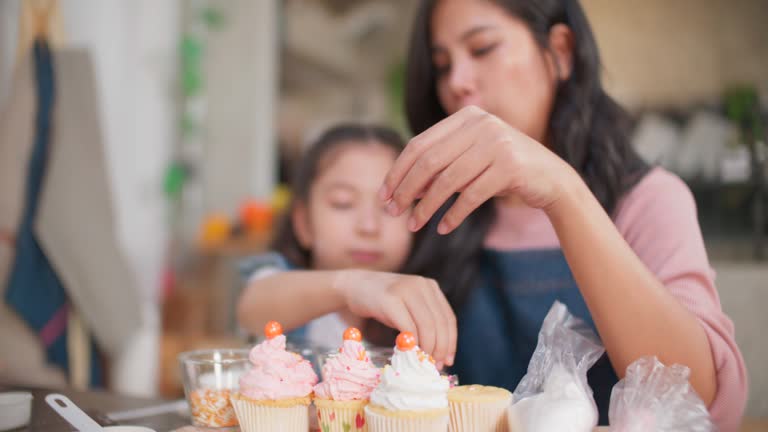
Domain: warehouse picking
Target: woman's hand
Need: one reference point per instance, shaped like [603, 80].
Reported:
[406, 303]
[478, 155]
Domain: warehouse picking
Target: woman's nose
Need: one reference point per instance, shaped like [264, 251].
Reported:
[461, 80]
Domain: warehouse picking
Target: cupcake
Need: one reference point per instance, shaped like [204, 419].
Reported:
[412, 396]
[276, 392]
[348, 380]
[478, 408]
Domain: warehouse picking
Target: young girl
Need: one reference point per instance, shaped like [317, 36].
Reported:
[511, 115]
[336, 247]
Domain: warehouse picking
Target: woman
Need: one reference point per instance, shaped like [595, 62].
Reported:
[506, 99]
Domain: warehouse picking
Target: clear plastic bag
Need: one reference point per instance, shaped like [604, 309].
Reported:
[654, 397]
[554, 394]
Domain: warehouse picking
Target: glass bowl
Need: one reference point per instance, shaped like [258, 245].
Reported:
[209, 377]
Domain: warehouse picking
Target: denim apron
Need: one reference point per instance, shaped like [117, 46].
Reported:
[499, 324]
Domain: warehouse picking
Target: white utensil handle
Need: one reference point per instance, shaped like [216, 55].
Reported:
[170, 407]
[72, 413]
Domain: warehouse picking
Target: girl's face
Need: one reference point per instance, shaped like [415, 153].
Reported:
[344, 224]
[486, 57]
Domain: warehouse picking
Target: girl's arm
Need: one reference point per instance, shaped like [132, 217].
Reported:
[292, 298]
[404, 302]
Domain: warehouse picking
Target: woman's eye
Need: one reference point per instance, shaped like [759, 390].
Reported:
[483, 50]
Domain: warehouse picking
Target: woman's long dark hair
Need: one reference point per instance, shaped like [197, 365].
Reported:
[587, 128]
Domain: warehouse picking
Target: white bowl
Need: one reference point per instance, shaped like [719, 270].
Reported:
[15, 410]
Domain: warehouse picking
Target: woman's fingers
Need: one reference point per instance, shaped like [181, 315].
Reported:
[423, 171]
[476, 193]
[418, 146]
[459, 154]
[456, 177]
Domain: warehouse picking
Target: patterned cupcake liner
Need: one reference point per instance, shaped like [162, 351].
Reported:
[341, 416]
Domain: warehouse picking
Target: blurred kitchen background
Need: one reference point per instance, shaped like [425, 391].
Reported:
[203, 105]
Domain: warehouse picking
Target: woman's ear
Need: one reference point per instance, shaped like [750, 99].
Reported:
[561, 48]
[301, 226]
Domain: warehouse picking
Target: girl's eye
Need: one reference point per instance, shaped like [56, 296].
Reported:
[341, 204]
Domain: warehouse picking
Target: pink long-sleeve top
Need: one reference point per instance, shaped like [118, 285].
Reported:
[658, 220]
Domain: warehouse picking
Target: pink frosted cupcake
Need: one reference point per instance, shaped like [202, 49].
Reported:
[276, 392]
[348, 380]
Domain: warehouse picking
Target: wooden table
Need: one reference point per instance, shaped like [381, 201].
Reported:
[97, 405]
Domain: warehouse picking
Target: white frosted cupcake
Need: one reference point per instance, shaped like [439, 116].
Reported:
[412, 396]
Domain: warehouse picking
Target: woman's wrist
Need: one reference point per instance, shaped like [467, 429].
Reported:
[571, 194]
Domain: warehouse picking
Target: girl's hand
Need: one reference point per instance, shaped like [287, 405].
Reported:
[477, 154]
[406, 303]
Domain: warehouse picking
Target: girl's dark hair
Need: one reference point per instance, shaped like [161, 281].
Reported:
[312, 163]
[587, 128]
[310, 166]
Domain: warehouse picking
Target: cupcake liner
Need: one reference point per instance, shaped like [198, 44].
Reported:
[341, 416]
[478, 416]
[254, 417]
[378, 422]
